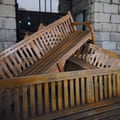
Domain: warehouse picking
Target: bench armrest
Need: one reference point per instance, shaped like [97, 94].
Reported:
[89, 25]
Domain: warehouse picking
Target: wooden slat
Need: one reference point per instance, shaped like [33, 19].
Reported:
[72, 94]
[40, 101]
[83, 91]
[118, 84]
[66, 102]
[8, 104]
[90, 89]
[114, 85]
[4, 66]
[53, 95]
[101, 87]
[14, 60]
[11, 66]
[32, 100]
[77, 91]
[110, 86]
[25, 104]
[105, 86]
[96, 89]
[60, 98]
[17, 104]
[46, 96]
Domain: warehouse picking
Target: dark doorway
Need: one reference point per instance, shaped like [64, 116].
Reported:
[28, 20]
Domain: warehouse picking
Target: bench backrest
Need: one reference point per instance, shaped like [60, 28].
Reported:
[25, 53]
[38, 95]
[98, 57]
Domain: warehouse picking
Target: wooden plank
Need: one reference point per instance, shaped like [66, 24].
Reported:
[66, 101]
[23, 57]
[60, 98]
[72, 94]
[4, 66]
[110, 85]
[53, 96]
[25, 103]
[39, 96]
[83, 91]
[41, 50]
[17, 104]
[105, 86]
[46, 96]
[15, 62]
[101, 87]
[8, 104]
[118, 84]
[30, 59]
[32, 100]
[77, 91]
[96, 89]
[114, 85]
[82, 111]
[11, 66]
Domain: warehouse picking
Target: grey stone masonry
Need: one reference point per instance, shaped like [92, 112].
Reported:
[7, 24]
[105, 16]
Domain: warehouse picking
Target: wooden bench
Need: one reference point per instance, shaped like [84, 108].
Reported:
[55, 59]
[91, 56]
[14, 60]
[65, 95]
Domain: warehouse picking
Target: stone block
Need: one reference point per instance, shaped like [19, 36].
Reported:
[118, 46]
[10, 2]
[118, 26]
[115, 37]
[115, 18]
[109, 8]
[8, 44]
[109, 45]
[108, 27]
[97, 27]
[119, 9]
[97, 7]
[116, 1]
[7, 11]
[1, 46]
[104, 1]
[7, 23]
[101, 17]
[102, 36]
[7, 35]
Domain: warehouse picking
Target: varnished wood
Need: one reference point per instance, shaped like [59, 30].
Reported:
[34, 47]
[91, 56]
[34, 96]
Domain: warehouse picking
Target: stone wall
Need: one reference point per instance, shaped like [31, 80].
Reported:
[105, 16]
[106, 19]
[7, 24]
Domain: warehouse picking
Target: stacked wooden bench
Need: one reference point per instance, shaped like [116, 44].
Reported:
[87, 94]
[19, 58]
[91, 56]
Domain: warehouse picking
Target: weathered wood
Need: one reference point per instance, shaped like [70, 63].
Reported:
[22, 55]
[101, 110]
[91, 56]
[51, 93]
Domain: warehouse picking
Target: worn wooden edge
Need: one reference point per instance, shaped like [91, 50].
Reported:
[79, 109]
[38, 79]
